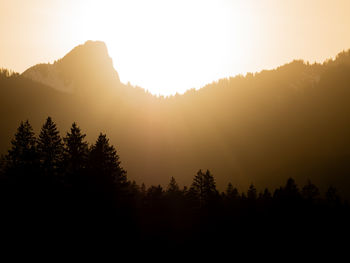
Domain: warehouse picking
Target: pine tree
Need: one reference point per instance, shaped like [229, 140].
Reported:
[310, 191]
[75, 151]
[155, 193]
[173, 192]
[291, 189]
[173, 187]
[266, 195]
[252, 193]
[143, 189]
[289, 195]
[229, 189]
[197, 187]
[231, 192]
[50, 147]
[22, 157]
[210, 185]
[134, 189]
[104, 163]
[204, 187]
[332, 196]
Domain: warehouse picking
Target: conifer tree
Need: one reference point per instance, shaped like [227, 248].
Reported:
[252, 193]
[332, 196]
[143, 189]
[50, 147]
[75, 150]
[173, 192]
[173, 187]
[231, 192]
[204, 187]
[104, 163]
[22, 155]
[291, 189]
[197, 187]
[210, 185]
[154, 196]
[310, 191]
[266, 195]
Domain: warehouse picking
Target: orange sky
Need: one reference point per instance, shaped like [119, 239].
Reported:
[171, 46]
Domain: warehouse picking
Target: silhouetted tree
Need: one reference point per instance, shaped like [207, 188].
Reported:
[22, 155]
[229, 188]
[134, 192]
[197, 187]
[50, 148]
[20, 172]
[204, 187]
[231, 192]
[75, 153]
[310, 191]
[171, 216]
[266, 195]
[252, 193]
[173, 186]
[143, 189]
[332, 196]
[154, 196]
[290, 191]
[104, 164]
[174, 195]
[19, 177]
[134, 187]
[155, 192]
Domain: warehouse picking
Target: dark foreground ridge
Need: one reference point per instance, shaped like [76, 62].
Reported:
[62, 187]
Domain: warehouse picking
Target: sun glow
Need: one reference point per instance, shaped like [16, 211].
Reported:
[167, 47]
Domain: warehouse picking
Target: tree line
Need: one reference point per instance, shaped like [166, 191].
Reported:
[73, 184]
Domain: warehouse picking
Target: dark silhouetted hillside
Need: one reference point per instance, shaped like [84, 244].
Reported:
[292, 121]
[58, 189]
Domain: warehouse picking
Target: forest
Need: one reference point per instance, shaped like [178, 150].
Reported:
[53, 185]
[263, 127]
[201, 131]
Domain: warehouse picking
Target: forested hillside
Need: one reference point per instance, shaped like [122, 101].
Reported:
[265, 127]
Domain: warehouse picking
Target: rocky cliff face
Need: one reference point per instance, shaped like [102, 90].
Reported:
[84, 69]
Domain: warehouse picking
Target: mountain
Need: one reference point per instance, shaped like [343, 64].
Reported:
[69, 74]
[292, 121]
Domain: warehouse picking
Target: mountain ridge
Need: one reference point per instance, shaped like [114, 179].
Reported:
[65, 74]
[58, 75]
[263, 127]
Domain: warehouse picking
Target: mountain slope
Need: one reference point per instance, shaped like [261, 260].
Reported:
[261, 128]
[70, 73]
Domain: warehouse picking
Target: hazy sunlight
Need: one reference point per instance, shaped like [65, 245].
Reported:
[171, 46]
[168, 47]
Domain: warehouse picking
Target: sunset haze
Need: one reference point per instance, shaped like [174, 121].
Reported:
[171, 46]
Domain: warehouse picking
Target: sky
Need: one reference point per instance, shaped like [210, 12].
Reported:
[171, 46]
